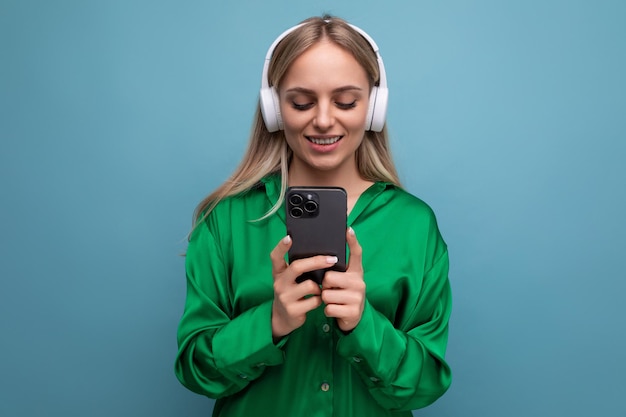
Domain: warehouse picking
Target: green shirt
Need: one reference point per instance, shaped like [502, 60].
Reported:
[392, 362]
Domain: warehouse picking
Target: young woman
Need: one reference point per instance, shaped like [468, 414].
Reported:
[369, 341]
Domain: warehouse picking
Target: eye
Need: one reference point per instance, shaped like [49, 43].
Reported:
[301, 107]
[346, 106]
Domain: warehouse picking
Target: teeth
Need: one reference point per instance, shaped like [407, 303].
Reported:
[327, 141]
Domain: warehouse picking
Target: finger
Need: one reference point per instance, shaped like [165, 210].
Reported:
[278, 255]
[313, 263]
[341, 297]
[334, 280]
[347, 313]
[289, 292]
[356, 252]
[306, 288]
[302, 306]
[310, 303]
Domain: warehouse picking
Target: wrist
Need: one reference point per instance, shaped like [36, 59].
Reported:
[278, 329]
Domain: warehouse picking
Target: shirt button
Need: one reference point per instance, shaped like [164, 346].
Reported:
[243, 376]
[374, 379]
[326, 328]
[325, 386]
[356, 359]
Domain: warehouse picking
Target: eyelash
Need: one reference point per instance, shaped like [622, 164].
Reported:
[302, 107]
[307, 106]
[346, 106]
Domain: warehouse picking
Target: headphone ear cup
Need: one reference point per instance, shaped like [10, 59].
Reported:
[371, 108]
[270, 109]
[377, 112]
[279, 115]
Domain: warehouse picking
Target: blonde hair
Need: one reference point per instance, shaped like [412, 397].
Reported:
[268, 153]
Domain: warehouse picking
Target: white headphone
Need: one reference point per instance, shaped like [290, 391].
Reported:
[376, 113]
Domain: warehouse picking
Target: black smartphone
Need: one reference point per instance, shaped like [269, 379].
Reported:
[316, 221]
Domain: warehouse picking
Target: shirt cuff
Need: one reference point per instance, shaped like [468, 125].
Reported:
[363, 347]
[244, 347]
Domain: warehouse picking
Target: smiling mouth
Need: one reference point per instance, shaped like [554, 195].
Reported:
[323, 140]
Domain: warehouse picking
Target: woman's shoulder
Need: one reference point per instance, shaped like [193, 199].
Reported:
[417, 218]
[403, 200]
[233, 212]
[249, 199]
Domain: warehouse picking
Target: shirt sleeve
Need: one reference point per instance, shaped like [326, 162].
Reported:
[211, 359]
[404, 368]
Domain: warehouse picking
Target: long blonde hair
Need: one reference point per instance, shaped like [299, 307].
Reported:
[268, 153]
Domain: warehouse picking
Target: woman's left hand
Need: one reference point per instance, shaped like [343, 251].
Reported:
[344, 292]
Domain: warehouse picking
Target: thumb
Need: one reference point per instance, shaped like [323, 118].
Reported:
[356, 252]
[277, 255]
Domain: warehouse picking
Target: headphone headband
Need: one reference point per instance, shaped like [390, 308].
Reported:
[270, 106]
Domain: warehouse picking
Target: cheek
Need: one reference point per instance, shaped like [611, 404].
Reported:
[356, 121]
[292, 135]
[293, 120]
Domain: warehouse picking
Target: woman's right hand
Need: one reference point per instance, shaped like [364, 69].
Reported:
[293, 300]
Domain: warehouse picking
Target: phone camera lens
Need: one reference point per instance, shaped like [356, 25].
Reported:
[310, 206]
[295, 199]
[296, 212]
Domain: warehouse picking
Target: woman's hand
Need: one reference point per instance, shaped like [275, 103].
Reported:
[344, 292]
[293, 300]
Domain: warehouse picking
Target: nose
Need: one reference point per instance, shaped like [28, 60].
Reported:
[324, 117]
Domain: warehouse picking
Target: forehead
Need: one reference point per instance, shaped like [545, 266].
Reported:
[325, 64]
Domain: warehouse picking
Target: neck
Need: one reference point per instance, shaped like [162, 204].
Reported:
[348, 179]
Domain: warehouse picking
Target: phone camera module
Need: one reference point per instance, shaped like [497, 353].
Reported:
[296, 212]
[296, 199]
[310, 206]
[303, 205]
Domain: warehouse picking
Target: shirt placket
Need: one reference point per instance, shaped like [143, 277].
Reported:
[324, 385]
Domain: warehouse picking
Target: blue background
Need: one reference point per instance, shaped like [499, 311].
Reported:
[117, 117]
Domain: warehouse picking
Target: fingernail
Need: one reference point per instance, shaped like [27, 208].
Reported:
[287, 240]
[351, 231]
[331, 259]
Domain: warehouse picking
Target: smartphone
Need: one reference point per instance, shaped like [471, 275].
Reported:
[316, 221]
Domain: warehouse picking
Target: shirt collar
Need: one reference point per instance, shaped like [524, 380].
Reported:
[272, 185]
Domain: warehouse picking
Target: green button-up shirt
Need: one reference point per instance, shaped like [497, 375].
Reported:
[392, 362]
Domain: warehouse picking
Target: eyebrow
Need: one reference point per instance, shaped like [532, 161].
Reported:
[311, 92]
